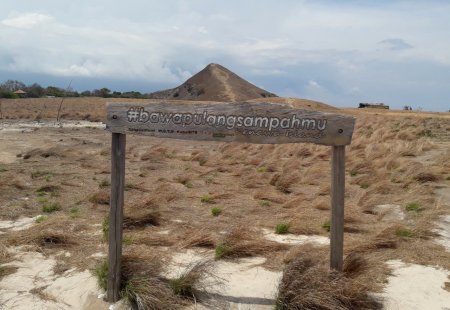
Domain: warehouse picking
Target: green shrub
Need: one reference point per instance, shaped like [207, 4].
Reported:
[216, 211]
[205, 199]
[129, 186]
[48, 177]
[363, 185]
[261, 169]
[412, 206]
[101, 272]
[74, 212]
[104, 184]
[52, 208]
[176, 94]
[105, 228]
[327, 225]
[40, 218]
[42, 200]
[264, 203]
[405, 233]
[188, 185]
[282, 228]
[36, 173]
[352, 173]
[201, 91]
[54, 193]
[222, 250]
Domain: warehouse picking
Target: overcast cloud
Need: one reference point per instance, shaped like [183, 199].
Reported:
[337, 52]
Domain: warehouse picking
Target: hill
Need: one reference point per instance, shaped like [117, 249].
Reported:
[214, 83]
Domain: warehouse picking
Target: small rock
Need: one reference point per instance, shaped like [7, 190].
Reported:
[101, 296]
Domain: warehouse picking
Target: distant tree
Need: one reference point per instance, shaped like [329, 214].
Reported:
[55, 91]
[35, 90]
[8, 94]
[117, 93]
[105, 91]
[97, 93]
[13, 85]
[86, 93]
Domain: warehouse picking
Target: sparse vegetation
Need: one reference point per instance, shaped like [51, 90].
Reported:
[412, 206]
[205, 198]
[74, 212]
[216, 211]
[104, 184]
[40, 218]
[51, 208]
[264, 203]
[326, 225]
[282, 228]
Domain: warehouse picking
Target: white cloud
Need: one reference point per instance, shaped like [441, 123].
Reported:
[266, 72]
[314, 84]
[354, 90]
[26, 20]
[202, 30]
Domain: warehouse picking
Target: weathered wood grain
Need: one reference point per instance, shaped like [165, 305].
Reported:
[116, 215]
[337, 207]
[253, 122]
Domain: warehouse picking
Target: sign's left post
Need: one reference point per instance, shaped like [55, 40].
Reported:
[116, 215]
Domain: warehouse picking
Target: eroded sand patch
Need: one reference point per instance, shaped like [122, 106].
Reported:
[296, 239]
[34, 286]
[416, 287]
[22, 223]
[246, 285]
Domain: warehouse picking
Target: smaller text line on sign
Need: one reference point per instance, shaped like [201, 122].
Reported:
[252, 122]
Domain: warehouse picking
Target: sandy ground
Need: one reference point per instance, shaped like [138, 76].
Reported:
[246, 285]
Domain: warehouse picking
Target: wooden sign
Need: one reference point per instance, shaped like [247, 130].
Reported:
[253, 122]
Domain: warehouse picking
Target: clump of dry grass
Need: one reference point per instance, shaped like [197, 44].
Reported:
[189, 284]
[308, 283]
[196, 238]
[53, 232]
[284, 182]
[142, 285]
[101, 197]
[141, 219]
[242, 241]
[55, 152]
[155, 154]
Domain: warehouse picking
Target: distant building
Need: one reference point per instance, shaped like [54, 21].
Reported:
[21, 93]
[373, 105]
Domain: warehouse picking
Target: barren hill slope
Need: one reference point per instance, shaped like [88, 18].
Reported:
[214, 83]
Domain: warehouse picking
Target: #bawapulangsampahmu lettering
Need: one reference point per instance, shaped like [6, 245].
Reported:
[229, 121]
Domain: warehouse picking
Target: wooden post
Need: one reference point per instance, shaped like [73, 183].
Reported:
[116, 215]
[337, 207]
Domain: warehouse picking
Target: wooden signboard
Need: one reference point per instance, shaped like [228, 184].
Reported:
[252, 122]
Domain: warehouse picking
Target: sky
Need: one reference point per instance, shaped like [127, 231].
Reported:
[340, 52]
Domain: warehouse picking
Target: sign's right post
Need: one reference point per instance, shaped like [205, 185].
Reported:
[337, 207]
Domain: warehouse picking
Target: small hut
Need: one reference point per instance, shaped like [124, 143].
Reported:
[21, 93]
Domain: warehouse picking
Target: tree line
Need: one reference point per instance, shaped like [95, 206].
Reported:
[35, 90]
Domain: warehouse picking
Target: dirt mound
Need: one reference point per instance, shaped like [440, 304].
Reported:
[301, 104]
[214, 83]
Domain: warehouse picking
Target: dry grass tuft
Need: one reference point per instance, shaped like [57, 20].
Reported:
[198, 239]
[53, 232]
[308, 283]
[242, 241]
[141, 219]
[101, 197]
